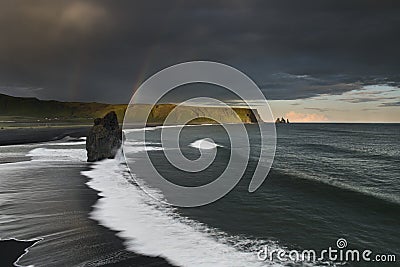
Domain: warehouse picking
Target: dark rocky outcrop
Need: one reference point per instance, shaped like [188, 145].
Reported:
[282, 120]
[104, 138]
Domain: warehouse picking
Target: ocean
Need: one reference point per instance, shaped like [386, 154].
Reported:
[327, 182]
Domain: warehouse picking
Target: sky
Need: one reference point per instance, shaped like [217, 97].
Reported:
[326, 60]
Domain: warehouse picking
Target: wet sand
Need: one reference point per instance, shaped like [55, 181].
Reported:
[11, 250]
[52, 201]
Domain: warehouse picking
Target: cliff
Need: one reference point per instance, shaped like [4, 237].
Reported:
[35, 109]
[159, 113]
[22, 107]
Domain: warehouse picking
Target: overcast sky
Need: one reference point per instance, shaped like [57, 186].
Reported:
[316, 60]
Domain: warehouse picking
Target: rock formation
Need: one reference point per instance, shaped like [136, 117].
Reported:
[104, 138]
[282, 120]
[179, 114]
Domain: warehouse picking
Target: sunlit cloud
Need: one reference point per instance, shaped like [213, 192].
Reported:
[82, 16]
[372, 93]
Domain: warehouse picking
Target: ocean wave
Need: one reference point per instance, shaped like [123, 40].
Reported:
[155, 229]
[152, 228]
[49, 154]
[205, 143]
[353, 152]
[153, 128]
[75, 143]
[73, 139]
[326, 180]
[136, 146]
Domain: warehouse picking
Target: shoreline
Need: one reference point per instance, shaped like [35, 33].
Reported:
[12, 250]
[103, 245]
[132, 258]
[21, 136]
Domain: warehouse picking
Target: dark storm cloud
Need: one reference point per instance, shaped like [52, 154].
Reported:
[100, 50]
[289, 86]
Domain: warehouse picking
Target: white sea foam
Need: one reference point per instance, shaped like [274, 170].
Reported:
[205, 143]
[149, 227]
[69, 138]
[137, 149]
[126, 131]
[152, 128]
[154, 229]
[135, 146]
[47, 154]
[75, 143]
[68, 141]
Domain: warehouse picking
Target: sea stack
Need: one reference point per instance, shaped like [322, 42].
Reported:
[282, 120]
[104, 138]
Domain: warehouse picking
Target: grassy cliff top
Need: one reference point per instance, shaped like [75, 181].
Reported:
[23, 108]
[33, 109]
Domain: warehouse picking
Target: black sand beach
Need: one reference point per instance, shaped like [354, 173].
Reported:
[49, 201]
[11, 250]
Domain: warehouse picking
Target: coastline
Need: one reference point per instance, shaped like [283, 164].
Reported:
[131, 258]
[25, 135]
[45, 196]
[61, 218]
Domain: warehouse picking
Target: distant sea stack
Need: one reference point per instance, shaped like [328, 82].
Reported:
[104, 138]
[281, 120]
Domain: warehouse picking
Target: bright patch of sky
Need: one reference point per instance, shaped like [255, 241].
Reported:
[371, 103]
